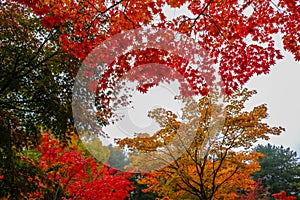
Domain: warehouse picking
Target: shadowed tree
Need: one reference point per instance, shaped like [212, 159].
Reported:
[35, 91]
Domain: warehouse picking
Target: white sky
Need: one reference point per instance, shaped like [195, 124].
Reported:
[280, 91]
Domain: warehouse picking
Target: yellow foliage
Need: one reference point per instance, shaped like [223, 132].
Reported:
[205, 154]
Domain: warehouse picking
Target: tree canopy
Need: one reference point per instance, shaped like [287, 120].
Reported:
[204, 159]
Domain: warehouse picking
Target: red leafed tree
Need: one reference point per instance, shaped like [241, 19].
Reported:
[71, 175]
[282, 196]
[237, 34]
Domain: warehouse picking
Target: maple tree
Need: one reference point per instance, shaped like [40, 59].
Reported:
[65, 173]
[239, 43]
[221, 27]
[202, 157]
[237, 36]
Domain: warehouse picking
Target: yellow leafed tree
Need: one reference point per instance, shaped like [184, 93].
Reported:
[204, 154]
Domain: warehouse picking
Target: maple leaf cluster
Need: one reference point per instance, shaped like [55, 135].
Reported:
[85, 24]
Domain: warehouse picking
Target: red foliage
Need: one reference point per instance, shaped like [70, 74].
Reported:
[78, 176]
[223, 28]
[282, 196]
[258, 192]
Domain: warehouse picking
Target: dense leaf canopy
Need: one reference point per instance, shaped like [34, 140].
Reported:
[44, 42]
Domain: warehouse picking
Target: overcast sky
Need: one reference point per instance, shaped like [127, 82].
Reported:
[280, 91]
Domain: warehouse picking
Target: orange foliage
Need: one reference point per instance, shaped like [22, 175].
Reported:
[211, 162]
